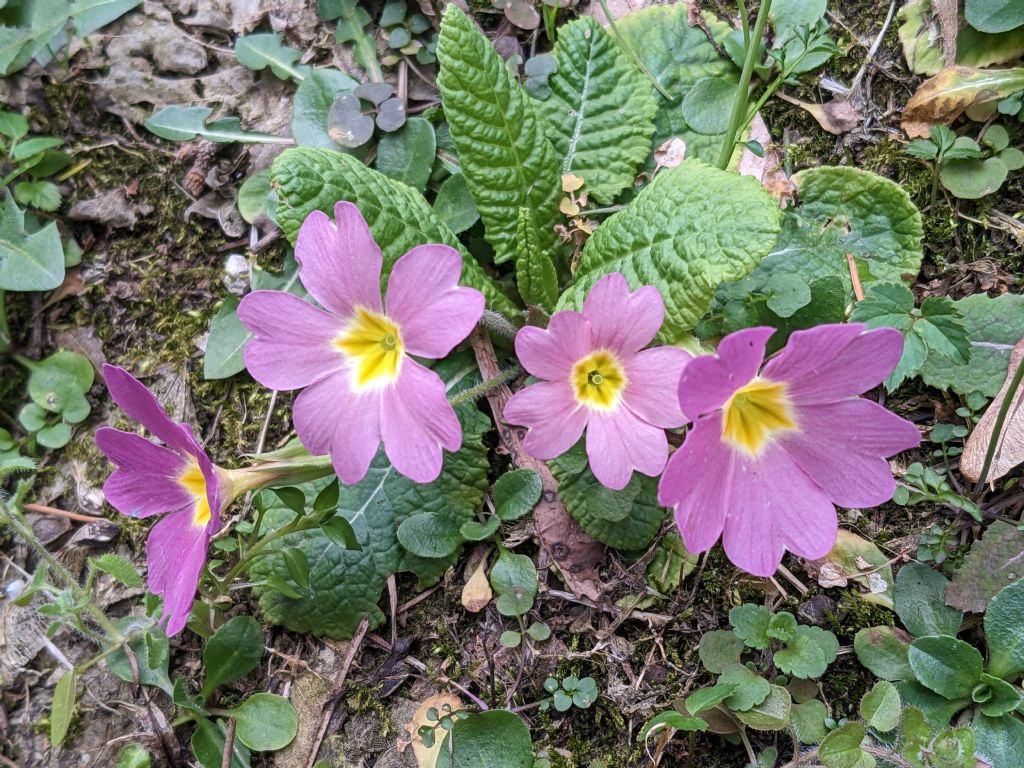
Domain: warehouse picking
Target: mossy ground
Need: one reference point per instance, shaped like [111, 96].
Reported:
[158, 285]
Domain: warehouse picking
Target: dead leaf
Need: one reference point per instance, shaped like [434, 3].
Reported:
[670, 154]
[995, 560]
[477, 592]
[856, 559]
[72, 286]
[1010, 449]
[943, 98]
[426, 758]
[836, 116]
[111, 208]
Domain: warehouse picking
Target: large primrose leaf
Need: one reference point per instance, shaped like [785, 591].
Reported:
[600, 113]
[507, 161]
[345, 584]
[691, 229]
[399, 217]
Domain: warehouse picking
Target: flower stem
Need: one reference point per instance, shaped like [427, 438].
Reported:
[739, 105]
[497, 323]
[997, 431]
[297, 525]
[484, 387]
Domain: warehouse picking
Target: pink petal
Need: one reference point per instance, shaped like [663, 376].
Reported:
[339, 261]
[623, 322]
[618, 442]
[417, 421]
[830, 362]
[424, 298]
[775, 506]
[551, 354]
[293, 345]
[176, 552]
[653, 383]
[697, 482]
[146, 481]
[139, 403]
[841, 447]
[331, 418]
[709, 381]
[555, 420]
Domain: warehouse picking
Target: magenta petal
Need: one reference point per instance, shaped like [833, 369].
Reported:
[697, 482]
[709, 381]
[551, 413]
[424, 298]
[139, 403]
[623, 322]
[339, 261]
[551, 353]
[330, 418]
[176, 552]
[146, 482]
[618, 442]
[830, 362]
[417, 421]
[841, 447]
[293, 344]
[653, 376]
[775, 506]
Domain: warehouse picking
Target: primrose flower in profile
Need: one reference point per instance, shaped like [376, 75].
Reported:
[598, 377]
[771, 453]
[176, 479]
[354, 357]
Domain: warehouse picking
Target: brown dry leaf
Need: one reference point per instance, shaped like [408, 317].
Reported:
[943, 98]
[670, 154]
[571, 182]
[477, 592]
[426, 758]
[856, 559]
[836, 117]
[948, 13]
[1010, 449]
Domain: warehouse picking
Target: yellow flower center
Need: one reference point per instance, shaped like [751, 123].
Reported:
[192, 480]
[598, 380]
[375, 344]
[755, 414]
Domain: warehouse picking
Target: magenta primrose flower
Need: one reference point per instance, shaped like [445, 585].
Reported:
[176, 479]
[354, 357]
[598, 377]
[771, 453]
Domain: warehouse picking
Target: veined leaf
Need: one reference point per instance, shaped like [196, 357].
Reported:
[186, 123]
[691, 229]
[266, 50]
[399, 217]
[507, 161]
[28, 262]
[535, 271]
[600, 114]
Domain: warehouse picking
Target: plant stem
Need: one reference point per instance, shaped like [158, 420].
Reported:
[5, 332]
[484, 387]
[739, 105]
[300, 524]
[997, 431]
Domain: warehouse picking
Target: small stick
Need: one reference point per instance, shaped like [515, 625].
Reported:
[787, 574]
[44, 510]
[858, 291]
[229, 745]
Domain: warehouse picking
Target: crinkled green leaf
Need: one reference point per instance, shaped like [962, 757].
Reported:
[993, 326]
[266, 50]
[1003, 625]
[345, 584]
[692, 228]
[507, 161]
[600, 113]
[880, 706]
[992, 562]
[679, 55]
[118, 567]
[626, 519]
[945, 665]
[920, 598]
[28, 262]
[536, 277]
[399, 217]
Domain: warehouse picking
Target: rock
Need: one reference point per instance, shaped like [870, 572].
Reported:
[816, 610]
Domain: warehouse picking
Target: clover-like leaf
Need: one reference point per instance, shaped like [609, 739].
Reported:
[751, 689]
[810, 653]
[750, 623]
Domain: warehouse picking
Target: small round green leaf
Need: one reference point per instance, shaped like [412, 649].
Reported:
[706, 107]
[842, 748]
[516, 493]
[880, 706]
[265, 722]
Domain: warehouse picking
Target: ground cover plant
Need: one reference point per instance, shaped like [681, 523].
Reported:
[512, 385]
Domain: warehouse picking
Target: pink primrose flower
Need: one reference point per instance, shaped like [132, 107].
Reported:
[176, 479]
[770, 454]
[598, 377]
[353, 359]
